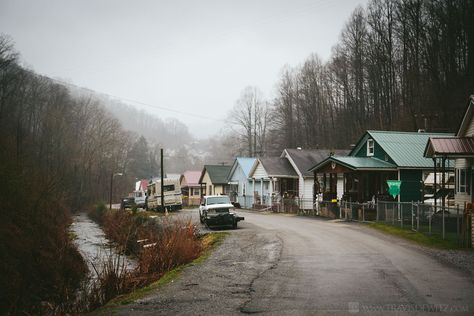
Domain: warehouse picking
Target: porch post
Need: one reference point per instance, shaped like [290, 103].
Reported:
[443, 201]
[253, 191]
[261, 191]
[434, 186]
[270, 191]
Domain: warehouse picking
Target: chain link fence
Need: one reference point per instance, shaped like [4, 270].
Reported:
[448, 223]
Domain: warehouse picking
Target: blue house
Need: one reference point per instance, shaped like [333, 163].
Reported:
[240, 182]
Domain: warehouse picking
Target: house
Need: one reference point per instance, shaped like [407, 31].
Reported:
[377, 157]
[302, 160]
[240, 182]
[190, 187]
[213, 180]
[273, 178]
[460, 149]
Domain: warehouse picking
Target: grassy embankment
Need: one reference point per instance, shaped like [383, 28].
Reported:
[161, 248]
[209, 241]
[434, 241]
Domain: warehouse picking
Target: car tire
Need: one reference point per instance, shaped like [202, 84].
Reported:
[234, 224]
[201, 219]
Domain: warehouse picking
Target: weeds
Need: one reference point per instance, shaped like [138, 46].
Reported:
[159, 247]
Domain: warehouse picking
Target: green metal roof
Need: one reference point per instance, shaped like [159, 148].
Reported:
[406, 149]
[217, 173]
[364, 163]
[357, 163]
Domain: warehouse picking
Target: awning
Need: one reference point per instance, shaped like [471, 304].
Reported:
[449, 147]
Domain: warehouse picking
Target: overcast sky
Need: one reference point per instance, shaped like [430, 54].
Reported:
[191, 56]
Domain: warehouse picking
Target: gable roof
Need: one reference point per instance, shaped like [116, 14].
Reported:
[277, 167]
[404, 148]
[191, 178]
[356, 163]
[245, 163]
[217, 173]
[304, 159]
[466, 119]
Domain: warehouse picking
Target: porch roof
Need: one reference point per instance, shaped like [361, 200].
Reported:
[356, 163]
[450, 147]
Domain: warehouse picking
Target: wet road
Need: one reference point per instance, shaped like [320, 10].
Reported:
[277, 264]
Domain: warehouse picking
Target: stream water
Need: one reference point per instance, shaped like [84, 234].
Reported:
[94, 247]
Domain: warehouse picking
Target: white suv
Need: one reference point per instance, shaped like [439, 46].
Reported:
[215, 211]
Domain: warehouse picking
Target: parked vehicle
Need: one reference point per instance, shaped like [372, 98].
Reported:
[140, 193]
[215, 210]
[140, 198]
[127, 202]
[173, 198]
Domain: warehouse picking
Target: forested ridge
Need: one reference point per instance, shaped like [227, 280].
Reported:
[398, 65]
[57, 154]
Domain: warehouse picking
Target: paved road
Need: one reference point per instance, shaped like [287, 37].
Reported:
[277, 264]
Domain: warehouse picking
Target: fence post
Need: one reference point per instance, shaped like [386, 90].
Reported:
[400, 207]
[418, 217]
[429, 221]
[412, 215]
[393, 215]
[363, 212]
[457, 224]
[444, 222]
[377, 211]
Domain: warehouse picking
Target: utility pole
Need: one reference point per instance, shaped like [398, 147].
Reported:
[162, 181]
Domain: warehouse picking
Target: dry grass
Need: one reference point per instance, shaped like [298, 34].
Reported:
[158, 248]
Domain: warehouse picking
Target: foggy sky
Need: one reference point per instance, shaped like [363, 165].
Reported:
[191, 56]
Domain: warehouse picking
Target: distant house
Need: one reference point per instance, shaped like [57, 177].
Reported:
[190, 187]
[460, 149]
[377, 157]
[213, 180]
[302, 160]
[273, 177]
[240, 182]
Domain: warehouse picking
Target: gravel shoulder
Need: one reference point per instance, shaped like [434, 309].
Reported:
[461, 259]
[219, 286]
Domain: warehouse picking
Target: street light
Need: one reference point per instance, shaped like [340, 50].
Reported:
[111, 185]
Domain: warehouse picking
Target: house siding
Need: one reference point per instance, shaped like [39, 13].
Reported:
[470, 129]
[306, 192]
[410, 189]
[462, 163]
[378, 151]
[260, 172]
[461, 198]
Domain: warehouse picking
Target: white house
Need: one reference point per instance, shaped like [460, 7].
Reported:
[273, 178]
[461, 149]
[302, 160]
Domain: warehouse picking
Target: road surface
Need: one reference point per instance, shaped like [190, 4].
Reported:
[281, 264]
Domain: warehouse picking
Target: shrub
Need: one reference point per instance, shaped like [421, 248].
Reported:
[97, 213]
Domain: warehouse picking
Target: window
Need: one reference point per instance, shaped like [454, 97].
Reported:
[196, 191]
[168, 188]
[463, 181]
[370, 147]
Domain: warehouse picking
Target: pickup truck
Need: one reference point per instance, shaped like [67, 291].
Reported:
[215, 211]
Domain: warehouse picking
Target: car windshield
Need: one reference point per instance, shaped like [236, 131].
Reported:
[218, 200]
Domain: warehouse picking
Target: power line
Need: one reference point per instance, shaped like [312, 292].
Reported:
[159, 107]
